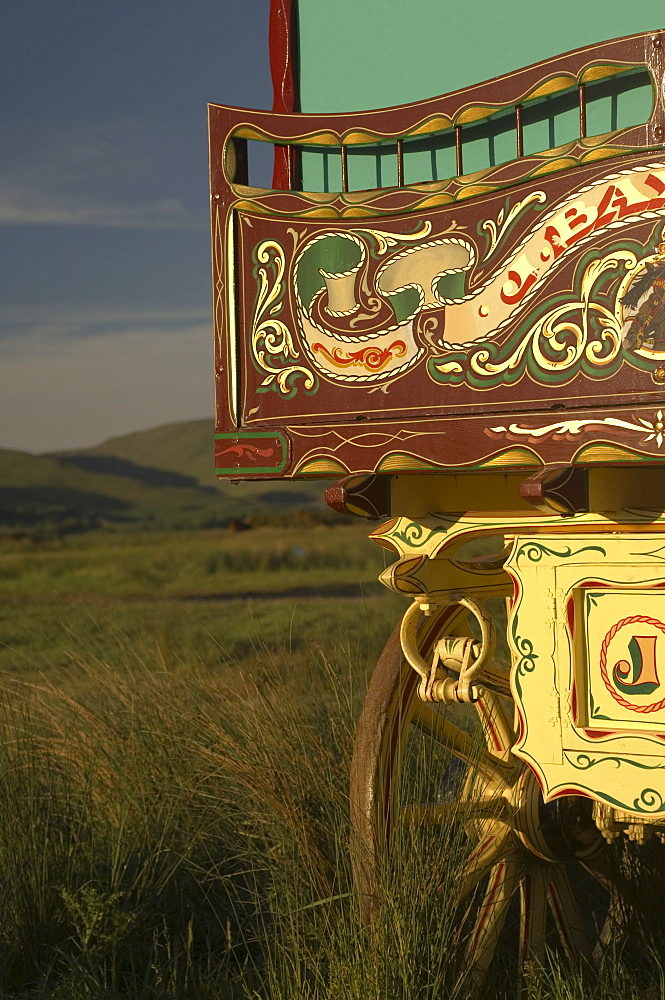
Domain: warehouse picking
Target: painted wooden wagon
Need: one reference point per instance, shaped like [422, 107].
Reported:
[455, 308]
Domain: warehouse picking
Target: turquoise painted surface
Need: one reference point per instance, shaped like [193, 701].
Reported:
[360, 54]
[377, 53]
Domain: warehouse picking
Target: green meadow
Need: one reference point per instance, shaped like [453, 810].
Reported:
[178, 713]
[199, 601]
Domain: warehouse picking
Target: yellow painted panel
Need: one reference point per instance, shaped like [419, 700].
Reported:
[551, 86]
[418, 495]
[601, 71]
[612, 488]
[476, 113]
[625, 656]
[587, 634]
[512, 456]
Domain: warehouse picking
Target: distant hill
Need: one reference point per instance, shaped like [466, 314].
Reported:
[186, 449]
[160, 477]
[52, 494]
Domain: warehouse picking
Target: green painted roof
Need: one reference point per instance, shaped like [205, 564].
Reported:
[361, 54]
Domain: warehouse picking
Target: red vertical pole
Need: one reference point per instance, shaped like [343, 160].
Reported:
[283, 41]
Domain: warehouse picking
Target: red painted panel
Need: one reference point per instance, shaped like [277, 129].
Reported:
[515, 316]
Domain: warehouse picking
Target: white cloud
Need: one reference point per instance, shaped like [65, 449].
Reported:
[86, 375]
[26, 206]
[38, 330]
[103, 175]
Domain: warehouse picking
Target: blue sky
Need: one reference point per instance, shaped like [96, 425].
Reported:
[105, 323]
[105, 279]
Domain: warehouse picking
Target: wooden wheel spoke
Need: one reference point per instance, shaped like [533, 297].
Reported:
[463, 745]
[567, 917]
[497, 727]
[602, 870]
[614, 925]
[533, 919]
[501, 887]
[493, 848]
[485, 807]
[407, 751]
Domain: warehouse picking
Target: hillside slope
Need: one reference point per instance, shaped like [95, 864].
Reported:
[186, 448]
[161, 477]
[41, 490]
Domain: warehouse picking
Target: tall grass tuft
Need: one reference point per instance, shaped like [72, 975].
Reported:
[288, 756]
[117, 873]
[173, 836]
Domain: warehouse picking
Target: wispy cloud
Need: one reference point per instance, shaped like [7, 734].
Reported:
[73, 377]
[39, 330]
[21, 205]
[95, 176]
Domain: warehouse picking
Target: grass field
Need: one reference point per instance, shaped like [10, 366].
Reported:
[162, 478]
[188, 601]
[174, 779]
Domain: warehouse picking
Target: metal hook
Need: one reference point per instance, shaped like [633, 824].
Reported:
[463, 654]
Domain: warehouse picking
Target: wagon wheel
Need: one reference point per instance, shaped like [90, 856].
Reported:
[523, 852]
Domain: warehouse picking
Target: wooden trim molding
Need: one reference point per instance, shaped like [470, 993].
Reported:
[283, 43]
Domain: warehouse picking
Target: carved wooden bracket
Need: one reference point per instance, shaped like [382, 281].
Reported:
[558, 490]
[360, 496]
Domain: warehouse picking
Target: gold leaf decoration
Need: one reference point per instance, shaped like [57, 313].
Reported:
[476, 113]
[321, 466]
[272, 341]
[552, 86]
[512, 456]
[602, 70]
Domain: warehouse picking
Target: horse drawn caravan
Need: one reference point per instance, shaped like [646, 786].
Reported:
[472, 351]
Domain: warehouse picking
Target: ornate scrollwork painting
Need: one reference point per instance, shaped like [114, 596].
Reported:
[371, 304]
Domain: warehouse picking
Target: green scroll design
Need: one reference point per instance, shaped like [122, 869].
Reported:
[534, 551]
[527, 661]
[573, 332]
[648, 801]
[416, 535]
[584, 761]
[595, 711]
[272, 344]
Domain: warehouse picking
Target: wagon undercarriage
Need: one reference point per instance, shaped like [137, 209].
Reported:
[539, 809]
